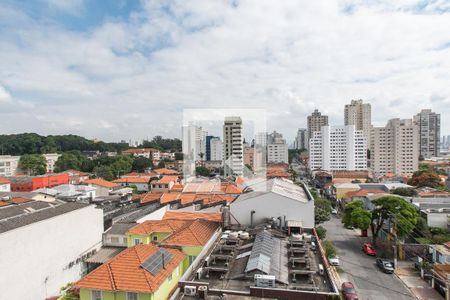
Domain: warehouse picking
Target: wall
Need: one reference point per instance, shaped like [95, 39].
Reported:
[50, 181]
[37, 256]
[272, 205]
[85, 294]
[145, 239]
[5, 187]
[437, 220]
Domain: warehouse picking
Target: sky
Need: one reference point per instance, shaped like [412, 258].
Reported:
[128, 69]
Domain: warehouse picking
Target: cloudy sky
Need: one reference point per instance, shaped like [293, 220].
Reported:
[129, 69]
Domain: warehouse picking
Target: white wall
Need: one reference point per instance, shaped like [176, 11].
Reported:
[5, 187]
[437, 220]
[272, 205]
[34, 260]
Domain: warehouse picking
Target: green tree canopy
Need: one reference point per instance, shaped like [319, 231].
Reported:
[322, 210]
[33, 164]
[407, 192]
[70, 160]
[104, 172]
[361, 218]
[141, 164]
[202, 171]
[403, 214]
[348, 210]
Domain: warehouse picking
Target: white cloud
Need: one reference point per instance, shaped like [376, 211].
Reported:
[72, 7]
[132, 78]
[4, 95]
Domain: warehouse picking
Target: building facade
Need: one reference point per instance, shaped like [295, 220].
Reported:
[233, 146]
[301, 140]
[315, 122]
[216, 149]
[359, 114]
[395, 148]
[9, 165]
[429, 131]
[338, 148]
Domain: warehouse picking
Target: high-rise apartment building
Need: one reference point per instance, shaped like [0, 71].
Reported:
[233, 146]
[216, 149]
[301, 140]
[359, 114]
[338, 148]
[429, 131]
[277, 149]
[395, 148]
[315, 122]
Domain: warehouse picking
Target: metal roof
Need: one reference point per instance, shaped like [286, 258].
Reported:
[261, 253]
[103, 255]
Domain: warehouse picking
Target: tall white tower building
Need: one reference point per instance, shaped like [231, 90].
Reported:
[338, 148]
[233, 146]
[430, 132]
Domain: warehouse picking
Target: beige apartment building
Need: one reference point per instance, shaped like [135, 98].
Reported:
[315, 122]
[359, 114]
[394, 148]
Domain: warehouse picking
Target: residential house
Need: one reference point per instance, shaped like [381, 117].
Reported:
[144, 272]
[5, 185]
[76, 177]
[141, 184]
[163, 184]
[165, 171]
[441, 253]
[103, 187]
[149, 153]
[46, 245]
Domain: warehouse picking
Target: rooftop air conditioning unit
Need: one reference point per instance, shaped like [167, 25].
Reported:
[190, 290]
[203, 292]
[264, 280]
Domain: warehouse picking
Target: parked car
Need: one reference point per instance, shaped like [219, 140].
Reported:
[349, 227]
[348, 290]
[369, 249]
[333, 260]
[334, 211]
[385, 265]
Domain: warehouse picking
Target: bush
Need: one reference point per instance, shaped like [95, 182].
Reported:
[321, 232]
[330, 250]
[424, 241]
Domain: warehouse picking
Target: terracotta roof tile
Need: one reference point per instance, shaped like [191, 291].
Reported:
[124, 271]
[195, 233]
[166, 179]
[150, 197]
[20, 200]
[185, 215]
[169, 197]
[3, 203]
[177, 187]
[101, 182]
[151, 226]
[165, 171]
[4, 180]
[131, 180]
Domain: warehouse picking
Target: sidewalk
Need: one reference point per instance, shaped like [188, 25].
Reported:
[411, 278]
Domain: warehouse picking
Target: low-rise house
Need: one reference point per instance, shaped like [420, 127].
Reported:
[149, 153]
[441, 253]
[141, 184]
[166, 171]
[152, 231]
[116, 235]
[5, 185]
[441, 274]
[76, 177]
[144, 272]
[46, 246]
[103, 187]
[164, 184]
[436, 217]
[72, 192]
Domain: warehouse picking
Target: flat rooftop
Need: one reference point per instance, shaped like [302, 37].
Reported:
[230, 266]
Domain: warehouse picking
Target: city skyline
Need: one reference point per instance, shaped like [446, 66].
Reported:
[119, 72]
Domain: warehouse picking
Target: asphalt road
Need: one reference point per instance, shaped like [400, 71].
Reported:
[360, 269]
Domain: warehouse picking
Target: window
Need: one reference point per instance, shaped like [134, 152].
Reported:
[136, 241]
[96, 295]
[191, 259]
[155, 238]
[132, 296]
[114, 240]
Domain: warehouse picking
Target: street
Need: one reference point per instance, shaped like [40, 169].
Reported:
[360, 268]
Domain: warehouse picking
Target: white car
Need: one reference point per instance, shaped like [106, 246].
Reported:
[334, 211]
[333, 260]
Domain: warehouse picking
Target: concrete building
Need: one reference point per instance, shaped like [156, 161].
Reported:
[277, 149]
[315, 122]
[249, 156]
[302, 139]
[9, 165]
[194, 147]
[359, 114]
[338, 148]
[51, 159]
[395, 148]
[429, 131]
[233, 146]
[60, 236]
[5, 185]
[216, 151]
[276, 198]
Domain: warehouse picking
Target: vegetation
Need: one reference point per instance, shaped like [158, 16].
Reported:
[140, 164]
[32, 143]
[71, 160]
[202, 171]
[426, 176]
[407, 192]
[322, 210]
[403, 214]
[33, 164]
[158, 142]
[355, 215]
[321, 232]
[329, 248]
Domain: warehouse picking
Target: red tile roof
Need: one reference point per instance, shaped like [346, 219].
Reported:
[4, 180]
[229, 188]
[101, 182]
[20, 200]
[124, 271]
[150, 197]
[364, 193]
[3, 203]
[169, 197]
[185, 215]
[151, 226]
[165, 171]
[76, 172]
[351, 174]
[166, 180]
[177, 187]
[195, 233]
[131, 180]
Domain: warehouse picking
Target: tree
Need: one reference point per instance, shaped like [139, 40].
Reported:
[140, 164]
[202, 171]
[161, 164]
[104, 172]
[429, 179]
[321, 232]
[121, 165]
[322, 210]
[407, 192]
[34, 164]
[329, 248]
[69, 160]
[361, 218]
[348, 210]
[403, 215]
